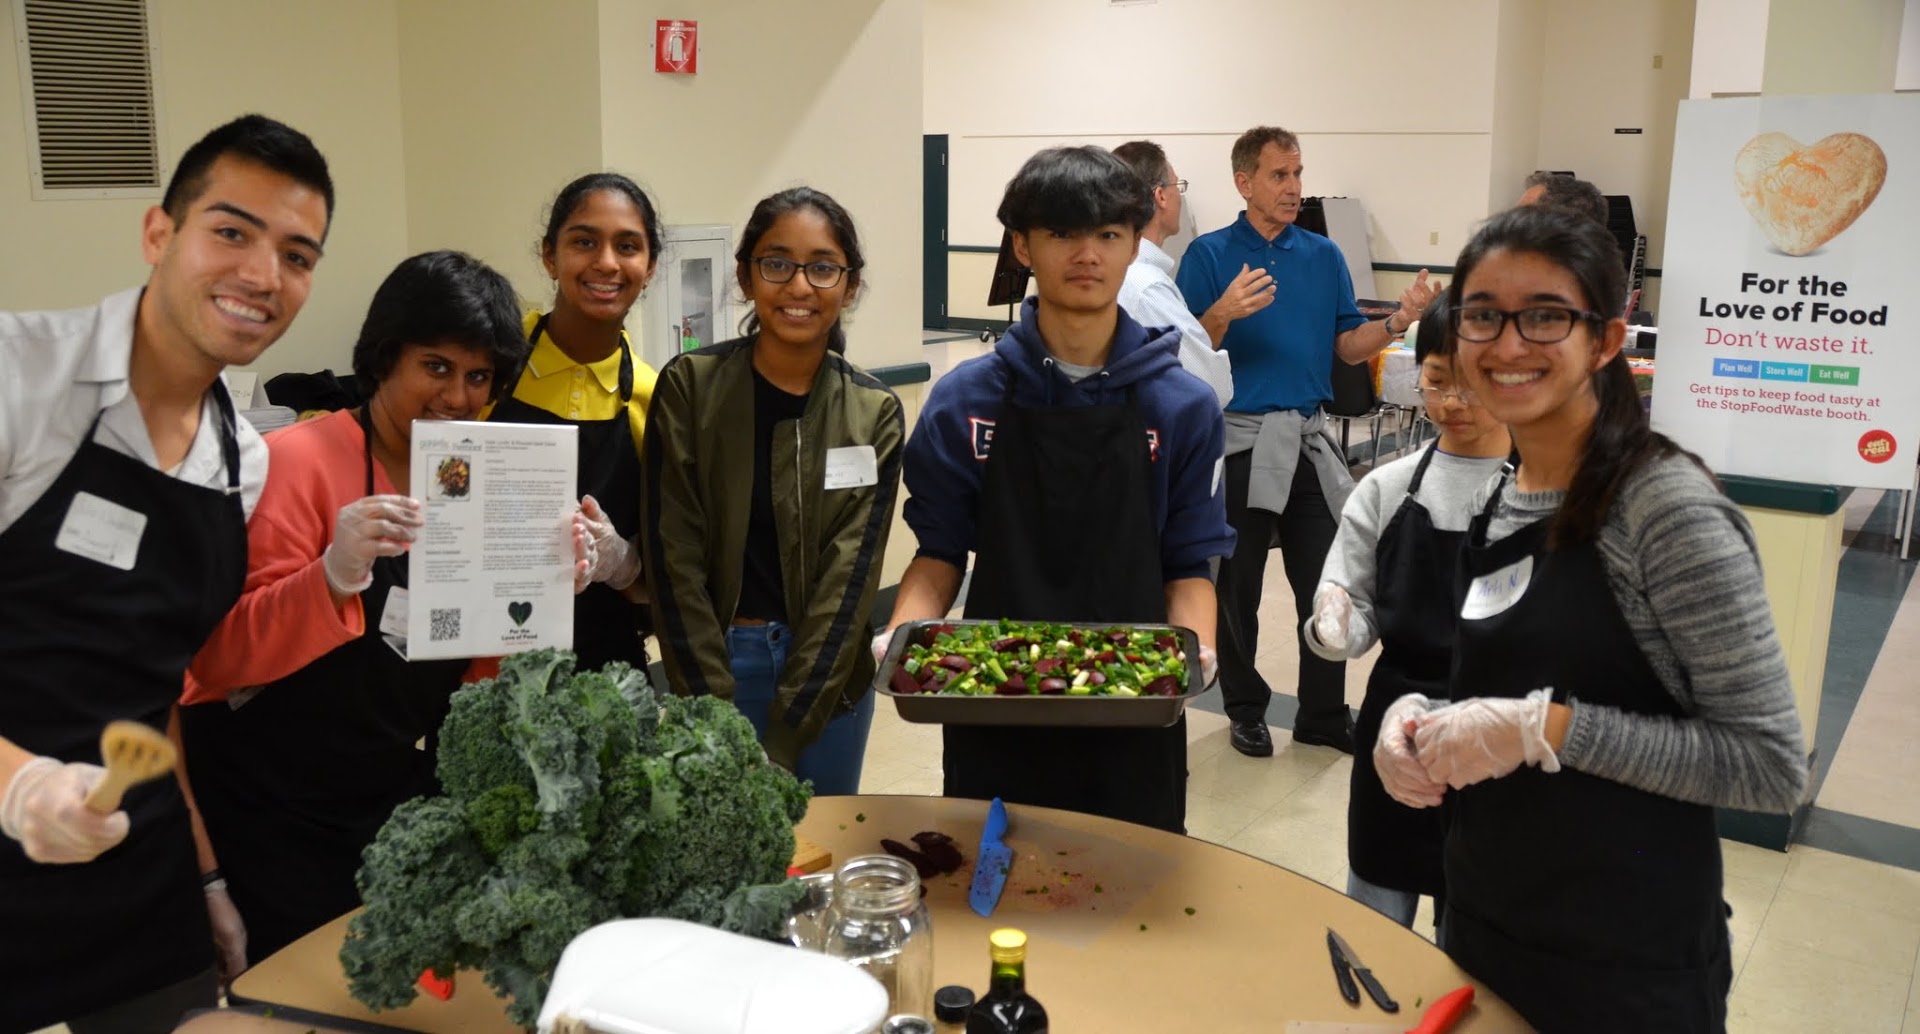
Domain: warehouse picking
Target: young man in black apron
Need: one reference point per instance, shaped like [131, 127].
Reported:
[125, 479]
[1389, 579]
[1081, 466]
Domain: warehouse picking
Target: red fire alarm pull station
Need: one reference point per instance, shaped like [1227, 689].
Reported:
[676, 47]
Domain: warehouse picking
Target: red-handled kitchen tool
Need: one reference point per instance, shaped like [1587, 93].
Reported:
[436, 985]
[1439, 1018]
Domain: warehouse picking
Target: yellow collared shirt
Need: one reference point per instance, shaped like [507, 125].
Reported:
[582, 391]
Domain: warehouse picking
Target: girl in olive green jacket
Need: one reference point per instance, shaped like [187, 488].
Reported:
[772, 466]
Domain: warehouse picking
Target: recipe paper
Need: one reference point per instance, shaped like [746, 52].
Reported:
[492, 570]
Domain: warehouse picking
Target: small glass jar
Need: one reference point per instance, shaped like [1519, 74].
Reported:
[878, 922]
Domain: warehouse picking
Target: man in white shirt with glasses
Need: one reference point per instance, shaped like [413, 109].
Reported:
[1149, 294]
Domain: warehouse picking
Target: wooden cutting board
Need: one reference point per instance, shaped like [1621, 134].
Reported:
[809, 857]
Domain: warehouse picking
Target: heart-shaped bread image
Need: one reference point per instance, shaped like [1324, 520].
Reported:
[1802, 196]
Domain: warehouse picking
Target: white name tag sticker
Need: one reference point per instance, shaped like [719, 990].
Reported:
[102, 530]
[1493, 593]
[393, 618]
[853, 466]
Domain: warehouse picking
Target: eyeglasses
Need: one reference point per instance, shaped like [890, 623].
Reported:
[1179, 185]
[777, 270]
[1433, 396]
[1541, 324]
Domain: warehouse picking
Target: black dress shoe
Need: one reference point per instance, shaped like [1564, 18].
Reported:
[1339, 737]
[1252, 739]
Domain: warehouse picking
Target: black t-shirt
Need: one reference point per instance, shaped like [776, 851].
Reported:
[762, 589]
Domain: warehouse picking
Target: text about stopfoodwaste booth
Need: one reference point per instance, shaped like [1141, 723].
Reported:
[1788, 334]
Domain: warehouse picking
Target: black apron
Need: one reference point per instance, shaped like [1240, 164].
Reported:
[84, 643]
[1066, 533]
[1586, 904]
[295, 782]
[606, 625]
[1388, 843]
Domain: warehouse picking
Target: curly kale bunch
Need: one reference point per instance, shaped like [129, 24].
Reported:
[570, 798]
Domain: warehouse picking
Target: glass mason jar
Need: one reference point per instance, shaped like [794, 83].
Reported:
[878, 922]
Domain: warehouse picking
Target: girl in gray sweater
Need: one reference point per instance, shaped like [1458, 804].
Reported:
[1616, 673]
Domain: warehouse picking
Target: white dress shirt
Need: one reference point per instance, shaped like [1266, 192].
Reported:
[59, 369]
[1150, 297]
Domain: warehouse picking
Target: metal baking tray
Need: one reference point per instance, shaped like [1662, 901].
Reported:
[944, 709]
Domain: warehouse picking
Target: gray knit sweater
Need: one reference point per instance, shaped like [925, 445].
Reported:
[1685, 571]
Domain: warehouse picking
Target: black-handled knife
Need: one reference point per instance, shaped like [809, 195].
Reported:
[1342, 971]
[1343, 954]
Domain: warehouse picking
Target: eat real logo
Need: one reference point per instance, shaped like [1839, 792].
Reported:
[676, 46]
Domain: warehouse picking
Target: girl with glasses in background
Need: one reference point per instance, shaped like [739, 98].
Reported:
[1616, 673]
[772, 467]
[1389, 579]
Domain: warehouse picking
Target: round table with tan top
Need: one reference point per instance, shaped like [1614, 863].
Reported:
[1130, 929]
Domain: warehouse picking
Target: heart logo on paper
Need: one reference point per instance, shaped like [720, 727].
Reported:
[1805, 196]
[520, 612]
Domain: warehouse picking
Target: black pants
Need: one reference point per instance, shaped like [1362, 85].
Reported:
[1305, 534]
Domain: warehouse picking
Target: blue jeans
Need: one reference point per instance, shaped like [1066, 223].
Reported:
[758, 653]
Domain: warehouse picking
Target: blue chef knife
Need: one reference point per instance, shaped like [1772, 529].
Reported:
[990, 869]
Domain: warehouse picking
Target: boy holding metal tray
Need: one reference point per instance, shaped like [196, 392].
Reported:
[1081, 466]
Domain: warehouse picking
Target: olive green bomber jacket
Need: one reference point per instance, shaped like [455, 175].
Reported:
[696, 493]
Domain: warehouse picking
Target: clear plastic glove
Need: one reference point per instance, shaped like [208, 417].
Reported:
[1485, 738]
[44, 808]
[585, 554]
[1401, 772]
[1332, 616]
[229, 932]
[366, 530]
[616, 560]
[881, 641]
[1209, 667]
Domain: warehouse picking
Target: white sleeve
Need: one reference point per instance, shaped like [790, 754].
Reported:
[1158, 303]
[1352, 564]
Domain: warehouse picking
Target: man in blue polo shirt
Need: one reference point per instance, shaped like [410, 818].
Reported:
[1280, 301]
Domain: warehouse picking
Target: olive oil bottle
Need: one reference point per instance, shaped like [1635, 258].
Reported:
[1007, 1008]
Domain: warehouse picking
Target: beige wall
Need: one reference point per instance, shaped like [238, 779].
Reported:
[1730, 47]
[1519, 65]
[331, 70]
[827, 95]
[1006, 78]
[500, 108]
[1831, 46]
[1606, 80]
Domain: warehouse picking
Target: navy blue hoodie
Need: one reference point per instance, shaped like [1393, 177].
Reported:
[1186, 436]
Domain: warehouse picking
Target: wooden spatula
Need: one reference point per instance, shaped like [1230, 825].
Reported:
[133, 753]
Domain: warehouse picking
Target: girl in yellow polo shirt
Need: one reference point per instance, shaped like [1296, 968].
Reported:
[601, 247]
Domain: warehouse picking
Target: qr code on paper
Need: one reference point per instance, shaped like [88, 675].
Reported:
[444, 625]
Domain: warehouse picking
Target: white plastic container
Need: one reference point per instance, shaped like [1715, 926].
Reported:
[664, 976]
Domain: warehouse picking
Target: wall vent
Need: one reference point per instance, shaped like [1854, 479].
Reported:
[88, 87]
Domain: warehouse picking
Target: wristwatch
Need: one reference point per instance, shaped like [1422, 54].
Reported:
[1387, 325]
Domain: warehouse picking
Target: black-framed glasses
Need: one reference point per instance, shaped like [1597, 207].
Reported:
[775, 269]
[1433, 396]
[1179, 185]
[1540, 324]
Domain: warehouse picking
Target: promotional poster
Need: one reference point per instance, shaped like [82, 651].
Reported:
[1788, 316]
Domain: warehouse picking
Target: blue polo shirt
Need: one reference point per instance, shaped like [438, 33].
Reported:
[1283, 354]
